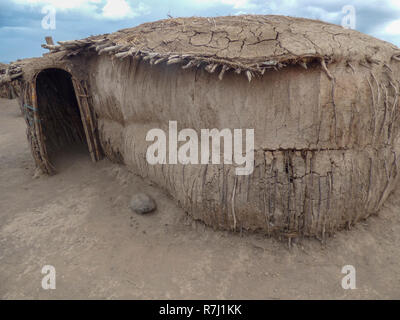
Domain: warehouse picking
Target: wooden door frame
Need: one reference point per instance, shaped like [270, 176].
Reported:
[35, 128]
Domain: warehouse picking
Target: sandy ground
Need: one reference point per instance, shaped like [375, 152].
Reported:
[79, 222]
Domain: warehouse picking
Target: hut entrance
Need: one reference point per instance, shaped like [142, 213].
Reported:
[66, 120]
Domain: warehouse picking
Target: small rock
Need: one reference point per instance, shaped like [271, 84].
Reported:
[142, 203]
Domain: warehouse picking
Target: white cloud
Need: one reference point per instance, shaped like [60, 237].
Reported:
[61, 4]
[393, 28]
[117, 9]
[120, 9]
[235, 4]
[109, 9]
[395, 3]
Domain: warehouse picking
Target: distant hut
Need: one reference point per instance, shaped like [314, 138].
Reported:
[9, 83]
[323, 102]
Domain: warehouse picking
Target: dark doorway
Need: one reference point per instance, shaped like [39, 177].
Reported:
[60, 115]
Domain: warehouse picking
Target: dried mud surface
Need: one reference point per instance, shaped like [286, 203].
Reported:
[79, 222]
[251, 38]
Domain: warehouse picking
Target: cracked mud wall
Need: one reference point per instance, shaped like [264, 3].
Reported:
[326, 151]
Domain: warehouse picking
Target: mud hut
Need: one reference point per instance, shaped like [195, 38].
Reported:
[10, 86]
[323, 102]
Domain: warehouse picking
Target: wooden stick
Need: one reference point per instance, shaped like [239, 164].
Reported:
[49, 40]
[233, 204]
[84, 117]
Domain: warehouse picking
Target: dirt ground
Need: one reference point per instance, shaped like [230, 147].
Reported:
[79, 222]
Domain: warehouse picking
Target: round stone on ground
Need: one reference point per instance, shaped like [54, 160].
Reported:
[142, 203]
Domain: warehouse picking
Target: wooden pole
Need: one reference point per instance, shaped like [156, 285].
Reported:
[84, 117]
[39, 133]
[49, 41]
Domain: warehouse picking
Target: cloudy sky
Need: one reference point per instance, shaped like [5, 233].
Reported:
[23, 23]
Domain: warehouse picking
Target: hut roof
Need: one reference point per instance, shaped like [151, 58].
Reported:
[9, 73]
[247, 39]
[248, 43]
[3, 68]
